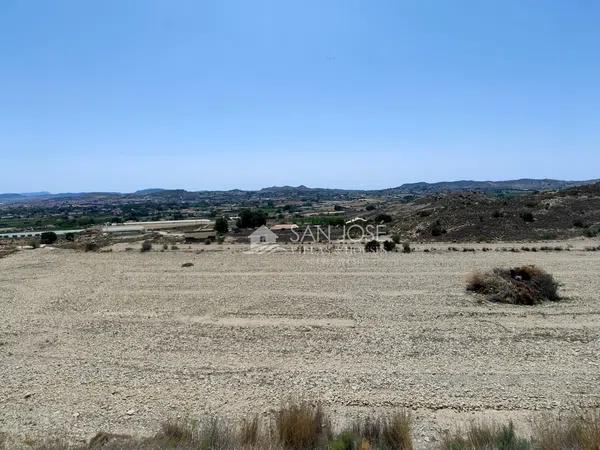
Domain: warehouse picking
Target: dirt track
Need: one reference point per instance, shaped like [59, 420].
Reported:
[120, 341]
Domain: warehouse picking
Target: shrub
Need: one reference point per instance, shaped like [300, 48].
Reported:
[146, 246]
[372, 246]
[526, 285]
[208, 241]
[174, 247]
[70, 237]
[34, 243]
[383, 218]
[221, 225]
[389, 246]
[406, 247]
[300, 426]
[527, 216]
[437, 229]
[187, 264]
[48, 237]
[165, 247]
[396, 238]
[591, 232]
[91, 247]
[370, 207]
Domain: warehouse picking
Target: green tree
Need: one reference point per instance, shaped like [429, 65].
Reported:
[221, 225]
[48, 237]
[251, 218]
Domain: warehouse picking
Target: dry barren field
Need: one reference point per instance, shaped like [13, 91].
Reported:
[121, 341]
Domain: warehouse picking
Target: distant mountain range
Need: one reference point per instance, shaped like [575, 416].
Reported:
[422, 188]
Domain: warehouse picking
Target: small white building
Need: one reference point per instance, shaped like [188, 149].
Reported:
[284, 227]
[356, 220]
[262, 235]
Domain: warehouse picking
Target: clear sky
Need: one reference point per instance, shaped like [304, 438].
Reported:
[121, 95]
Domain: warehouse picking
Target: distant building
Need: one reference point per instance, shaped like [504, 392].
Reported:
[262, 235]
[156, 225]
[356, 220]
[284, 227]
[26, 234]
[201, 234]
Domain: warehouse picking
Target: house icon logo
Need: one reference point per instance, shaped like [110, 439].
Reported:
[263, 240]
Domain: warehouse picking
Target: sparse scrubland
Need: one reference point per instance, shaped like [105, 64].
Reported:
[120, 342]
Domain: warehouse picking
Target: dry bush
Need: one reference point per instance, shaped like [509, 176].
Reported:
[485, 437]
[396, 432]
[249, 433]
[526, 285]
[302, 427]
[91, 247]
[210, 434]
[579, 433]
[392, 432]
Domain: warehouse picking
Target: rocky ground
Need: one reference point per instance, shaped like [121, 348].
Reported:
[121, 341]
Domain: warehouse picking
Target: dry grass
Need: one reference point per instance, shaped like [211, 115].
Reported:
[396, 432]
[301, 426]
[485, 437]
[574, 433]
[249, 433]
[526, 285]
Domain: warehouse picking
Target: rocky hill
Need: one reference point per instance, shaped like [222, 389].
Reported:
[469, 216]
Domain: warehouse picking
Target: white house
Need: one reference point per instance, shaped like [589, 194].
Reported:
[262, 235]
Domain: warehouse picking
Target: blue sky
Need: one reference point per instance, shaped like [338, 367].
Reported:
[122, 95]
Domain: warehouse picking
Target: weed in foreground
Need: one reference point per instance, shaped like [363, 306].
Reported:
[302, 427]
[485, 437]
